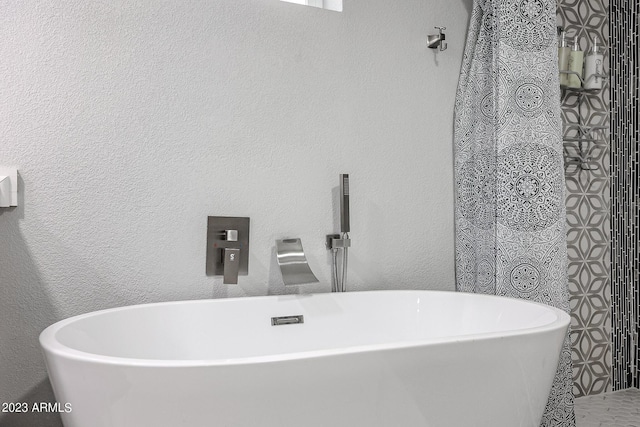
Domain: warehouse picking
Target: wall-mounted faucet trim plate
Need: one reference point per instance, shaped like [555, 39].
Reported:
[227, 248]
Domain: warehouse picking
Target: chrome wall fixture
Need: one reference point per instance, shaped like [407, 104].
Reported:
[227, 248]
[435, 41]
[293, 262]
[341, 241]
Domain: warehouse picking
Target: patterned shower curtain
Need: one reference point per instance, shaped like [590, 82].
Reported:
[510, 212]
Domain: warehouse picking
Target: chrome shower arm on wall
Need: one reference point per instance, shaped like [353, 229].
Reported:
[435, 41]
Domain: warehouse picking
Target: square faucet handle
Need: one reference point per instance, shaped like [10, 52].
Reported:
[231, 235]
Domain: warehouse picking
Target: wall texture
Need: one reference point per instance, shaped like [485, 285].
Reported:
[588, 212]
[131, 122]
[625, 192]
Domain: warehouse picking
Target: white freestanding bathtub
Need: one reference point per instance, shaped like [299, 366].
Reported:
[383, 358]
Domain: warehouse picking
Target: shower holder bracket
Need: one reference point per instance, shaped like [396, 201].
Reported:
[334, 241]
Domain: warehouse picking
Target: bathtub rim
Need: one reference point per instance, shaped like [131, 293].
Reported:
[50, 345]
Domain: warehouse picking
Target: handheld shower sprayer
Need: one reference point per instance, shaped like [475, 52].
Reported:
[344, 203]
[341, 241]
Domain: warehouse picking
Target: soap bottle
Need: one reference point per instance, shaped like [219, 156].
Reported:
[575, 64]
[563, 58]
[593, 67]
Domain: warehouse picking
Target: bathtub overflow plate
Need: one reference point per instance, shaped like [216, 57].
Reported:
[287, 320]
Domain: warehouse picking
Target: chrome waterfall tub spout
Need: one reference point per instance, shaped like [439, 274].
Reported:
[293, 262]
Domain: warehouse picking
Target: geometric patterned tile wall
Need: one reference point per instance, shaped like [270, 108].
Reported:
[625, 189]
[588, 212]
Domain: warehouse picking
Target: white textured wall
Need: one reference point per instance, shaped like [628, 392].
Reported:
[132, 121]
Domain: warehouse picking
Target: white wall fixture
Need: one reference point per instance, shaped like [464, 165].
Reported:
[8, 187]
[324, 4]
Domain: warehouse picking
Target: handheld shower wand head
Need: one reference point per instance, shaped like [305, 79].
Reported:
[344, 203]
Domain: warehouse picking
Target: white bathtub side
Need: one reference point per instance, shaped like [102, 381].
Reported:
[496, 382]
[446, 376]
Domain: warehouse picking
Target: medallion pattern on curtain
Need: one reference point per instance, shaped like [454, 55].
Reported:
[510, 211]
